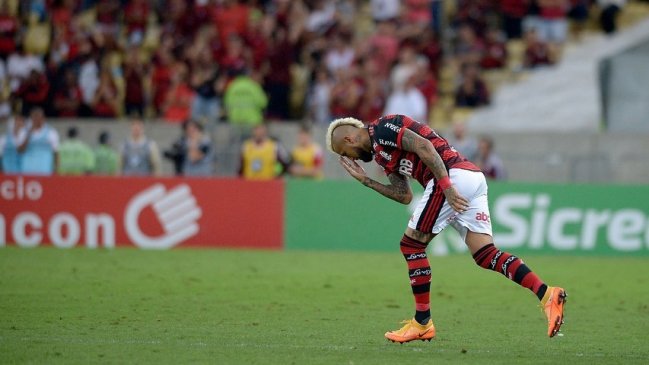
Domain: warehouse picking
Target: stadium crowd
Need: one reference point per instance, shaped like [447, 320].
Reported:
[246, 62]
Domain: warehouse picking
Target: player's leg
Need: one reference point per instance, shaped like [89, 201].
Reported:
[474, 226]
[413, 247]
[489, 257]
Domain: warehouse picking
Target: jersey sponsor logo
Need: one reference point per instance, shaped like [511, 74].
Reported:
[420, 272]
[405, 167]
[494, 261]
[482, 217]
[393, 127]
[387, 143]
[506, 264]
[386, 155]
[415, 256]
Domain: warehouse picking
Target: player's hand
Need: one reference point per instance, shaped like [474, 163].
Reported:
[354, 169]
[455, 200]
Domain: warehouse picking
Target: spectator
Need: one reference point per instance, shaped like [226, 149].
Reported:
[135, 72]
[88, 76]
[319, 97]
[39, 149]
[236, 56]
[244, 101]
[161, 78]
[75, 157]
[384, 46]
[140, 155]
[178, 151]
[68, 96]
[107, 161]
[513, 12]
[578, 15]
[408, 100]
[405, 67]
[277, 80]
[9, 143]
[262, 158]
[108, 13]
[231, 18]
[537, 52]
[430, 47]
[205, 82]
[417, 12]
[553, 25]
[346, 93]
[608, 16]
[495, 53]
[136, 15]
[341, 54]
[383, 10]
[9, 27]
[488, 161]
[179, 99]
[425, 81]
[469, 47]
[306, 156]
[472, 91]
[34, 91]
[464, 144]
[105, 103]
[321, 17]
[62, 14]
[20, 65]
[373, 97]
[199, 154]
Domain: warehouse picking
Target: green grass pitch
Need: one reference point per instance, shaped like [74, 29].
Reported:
[243, 307]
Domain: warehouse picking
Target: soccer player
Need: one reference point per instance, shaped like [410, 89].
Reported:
[455, 193]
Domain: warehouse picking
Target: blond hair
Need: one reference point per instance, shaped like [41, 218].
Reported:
[340, 122]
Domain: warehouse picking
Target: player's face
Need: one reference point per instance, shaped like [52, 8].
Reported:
[355, 153]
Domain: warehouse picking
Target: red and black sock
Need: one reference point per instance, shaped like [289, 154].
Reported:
[489, 257]
[419, 269]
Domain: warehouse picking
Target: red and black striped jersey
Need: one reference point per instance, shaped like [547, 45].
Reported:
[386, 133]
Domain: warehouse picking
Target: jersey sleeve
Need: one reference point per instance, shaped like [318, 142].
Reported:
[389, 131]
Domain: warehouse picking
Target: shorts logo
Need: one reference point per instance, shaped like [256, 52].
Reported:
[482, 217]
[405, 167]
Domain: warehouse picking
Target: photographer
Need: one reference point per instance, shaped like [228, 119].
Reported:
[199, 152]
[177, 151]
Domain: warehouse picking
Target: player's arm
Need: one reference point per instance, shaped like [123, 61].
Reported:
[413, 142]
[398, 189]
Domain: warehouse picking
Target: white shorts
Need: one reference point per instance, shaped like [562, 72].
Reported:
[433, 213]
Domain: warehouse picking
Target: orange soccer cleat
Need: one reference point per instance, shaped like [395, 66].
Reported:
[412, 331]
[552, 305]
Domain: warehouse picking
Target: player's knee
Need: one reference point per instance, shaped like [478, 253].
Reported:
[420, 236]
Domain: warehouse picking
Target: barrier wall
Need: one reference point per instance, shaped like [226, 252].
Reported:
[545, 218]
[306, 215]
[143, 212]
